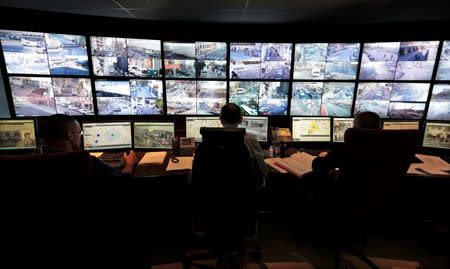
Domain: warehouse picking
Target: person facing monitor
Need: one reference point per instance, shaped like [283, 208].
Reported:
[62, 133]
[231, 117]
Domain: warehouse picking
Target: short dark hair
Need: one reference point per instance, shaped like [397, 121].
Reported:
[55, 127]
[367, 120]
[231, 113]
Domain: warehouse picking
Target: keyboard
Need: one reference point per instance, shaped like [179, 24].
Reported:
[112, 156]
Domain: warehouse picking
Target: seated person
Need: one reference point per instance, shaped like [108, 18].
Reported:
[62, 133]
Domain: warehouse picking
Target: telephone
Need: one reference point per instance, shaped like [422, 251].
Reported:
[183, 146]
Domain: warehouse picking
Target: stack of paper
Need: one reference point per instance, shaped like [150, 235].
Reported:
[431, 165]
[153, 158]
[183, 163]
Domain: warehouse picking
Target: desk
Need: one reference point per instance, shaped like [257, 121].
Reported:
[158, 170]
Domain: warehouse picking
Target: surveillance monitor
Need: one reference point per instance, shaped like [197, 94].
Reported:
[437, 135]
[153, 135]
[256, 126]
[193, 125]
[311, 129]
[17, 134]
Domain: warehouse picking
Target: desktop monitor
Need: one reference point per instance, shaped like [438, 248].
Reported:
[153, 135]
[437, 135]
[401, 125]
[17, 134]
[193, 125]
[311, 129]
[257, 126]
[340, 125]
[106, 135]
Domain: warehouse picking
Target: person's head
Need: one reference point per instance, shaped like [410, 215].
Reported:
[231, 114]
[367, 120]
[61, 130]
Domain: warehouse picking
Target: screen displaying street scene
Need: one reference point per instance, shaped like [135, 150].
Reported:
[73, 96]
[113, 97]
[437, 135]
[401, 125]
[109, 56]
[32, 96]
[322, 98]
[379, 60]
[342, 61]
[276, 60]
[67, 54]
[24, 52]
[443, 72]
[144, 57]
[311, 129]
[106, 135]
[245, 60]
[211, 59]
[211, 97]
[181, 97]
[340, 125]
[146, 97]
[373, 97]
[193, 125]
[260, 98]
[416, 60]
[309, 60]
[153, 135]
[256, 126]
[179, 60]
[439, 107]
[17, 134]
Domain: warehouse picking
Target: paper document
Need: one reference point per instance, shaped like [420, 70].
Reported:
[432, 165]
[96, 154]
[298, 164]
[271, 162]
[184, 163]
[153, 158]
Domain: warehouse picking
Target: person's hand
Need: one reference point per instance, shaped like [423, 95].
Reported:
[323, 154]
[130, 158]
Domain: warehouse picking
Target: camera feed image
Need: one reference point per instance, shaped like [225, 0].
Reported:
[309, 60]
[73, 96]
[113, 97]
[17, 134]
[256, 126]
[245, 94]
[306, 98]
[193, 125]
[311, 129]
[416, 60]
[32, 96]
[410, 92]
[24, 52]
[443, 72]
[342, 60]
[67, 54]
[401, 125]
[179, 60]
[379, 60]
[211, 59]
[439, 107]
[245, 60]
[106, 135]
[146, 97]
[437, 135]
[181, 97]
[156, 135]
[406, 110]
[211, 97]
[340, 125]
[144, 57]
[373, 97]
[337, 99]
[276, 60]
[109, 56]
[273, 98]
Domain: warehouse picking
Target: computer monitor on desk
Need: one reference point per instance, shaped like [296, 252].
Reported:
[340, 125]
[401, 125]
[100, 136]
[193, 125]
[437, 135]
[17, 135]
[257, 126]
[311, 129]
[153, 135]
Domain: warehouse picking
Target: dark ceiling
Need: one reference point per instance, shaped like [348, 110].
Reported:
[250, 11]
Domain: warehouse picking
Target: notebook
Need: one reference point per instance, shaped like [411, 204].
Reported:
[153, 158]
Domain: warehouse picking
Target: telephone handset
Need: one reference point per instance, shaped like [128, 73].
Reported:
[183, 146]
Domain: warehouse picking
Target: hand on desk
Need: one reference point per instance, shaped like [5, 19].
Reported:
[130, 160]
[323, 154]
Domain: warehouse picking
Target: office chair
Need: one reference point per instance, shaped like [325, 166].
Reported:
[223, 185]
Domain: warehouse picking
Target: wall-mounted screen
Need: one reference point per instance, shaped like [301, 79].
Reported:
[211, 97]
[256, 126]
[416, 60]
[311, 129]
[379, 60]
[144, 57]
[193, 125]
[113, 97]
[109, 56]
[401, 125]
[179, 60]
[73, 96]
[340, 125]
[211, 60]
[106, 135]
[443, 72]
[146, 97]
[439, 107]
[17, 134]
[437, 135]
[181, 97]
[153, 135]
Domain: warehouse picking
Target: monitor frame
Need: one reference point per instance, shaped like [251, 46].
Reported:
[313, 144]
[108, 149]
[36, 137]
[151, 148]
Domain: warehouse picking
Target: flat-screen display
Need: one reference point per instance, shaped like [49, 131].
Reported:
[340, 125]
[379, 60]
[113, 97]
[437, 135]
[443, 72]
[109, 56]
[144, 57]
[260, 98]
[146, 97]
[211, 97]
[73, 96]
[179, 60]
[311, 129]
[256, 126]
[153, 135]
[211, 60]
[17, 134]
[181, 97]
[193, 125]
[106, 135]
[401, 125]
[439, 107]
[416, 60]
